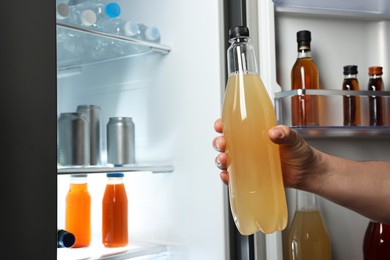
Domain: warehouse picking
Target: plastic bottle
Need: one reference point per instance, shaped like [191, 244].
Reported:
[308, 237]
[62, 10]
[376, 243]
[115, 212]
[65, 238]
[78, 211]
[351, 104]
[375, 83]
[256, 190]
[149, 33]
[93, 14]
[304, 75]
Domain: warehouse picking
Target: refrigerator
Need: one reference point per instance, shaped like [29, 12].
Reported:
[178, 207]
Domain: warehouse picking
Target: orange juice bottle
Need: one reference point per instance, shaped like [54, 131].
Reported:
[256, 191]
[78, 211]
[115, 219]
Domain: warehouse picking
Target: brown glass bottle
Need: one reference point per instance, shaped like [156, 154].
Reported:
[376, 243]
[304, 75]
[375, 103]
[351, 104]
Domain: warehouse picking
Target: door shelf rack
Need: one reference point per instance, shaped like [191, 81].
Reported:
[331, 99]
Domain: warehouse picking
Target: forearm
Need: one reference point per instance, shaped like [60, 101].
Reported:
[363, 187]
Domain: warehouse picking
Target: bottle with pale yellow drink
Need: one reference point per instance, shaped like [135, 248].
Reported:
[256, 191]
[308, 236]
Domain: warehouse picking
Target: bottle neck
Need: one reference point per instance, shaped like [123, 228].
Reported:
[304, 53]
[306, 201]
[350, 76]
[114, 180]
[375, 76]
[241, 56]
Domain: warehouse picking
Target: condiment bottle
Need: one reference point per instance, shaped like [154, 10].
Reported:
[351, 104]
[375, 83]
[256, 190]
[308, 237]
[376, 243]
[115, 212]
[78, 211]
[304, 75]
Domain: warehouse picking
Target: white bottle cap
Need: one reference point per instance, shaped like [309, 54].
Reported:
[62, 11]
[131, 29]
[88, 18]
[152, 34]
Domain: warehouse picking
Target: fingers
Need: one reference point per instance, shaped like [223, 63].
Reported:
[219, 144]
[220, 161]
[224, 177]
[282, 134]
[218, 125]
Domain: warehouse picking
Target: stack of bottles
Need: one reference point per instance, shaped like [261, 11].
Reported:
[101, 17]
[77, 232]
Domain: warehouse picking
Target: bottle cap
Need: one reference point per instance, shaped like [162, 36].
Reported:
[131, 28]
[62, 11]
[304, 39]
[113, 10]
[350, 69]
[152, 34]
[88, 18]
[66, 239]
[375, 70]
[115, 175]
[238, 31]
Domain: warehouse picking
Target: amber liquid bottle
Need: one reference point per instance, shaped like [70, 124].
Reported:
[375, 103]
[376, 244]
[304, 75]
[351, 104]
[78, 211]
[256, 191]
[308, 237]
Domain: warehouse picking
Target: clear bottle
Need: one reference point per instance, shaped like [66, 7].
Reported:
[376, 243]
[256, 190]
[149, 33]
[375, 103]
[115, 212]
[308, 237]
[304, 75]
[351, 104]
[65, 239]
[93, 14]
[78, 211]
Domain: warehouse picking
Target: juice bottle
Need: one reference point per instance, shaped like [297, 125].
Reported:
[78, 211]
[351, 104]
[115, 214]
[308, 236]
[256, 191]
[304, 75]
[375, 103]
[376, 243]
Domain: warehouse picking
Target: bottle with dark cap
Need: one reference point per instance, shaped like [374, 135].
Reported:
[351, 103]
[375, 103]
[256, 190]
[304, 75]
[65, 238]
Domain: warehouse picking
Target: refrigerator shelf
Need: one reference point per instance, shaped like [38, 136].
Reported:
[92, 252]
[80, 46]
[107, 169]
[331, 106]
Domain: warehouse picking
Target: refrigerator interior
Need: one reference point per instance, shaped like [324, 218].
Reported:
[173, 97]
[343, 33]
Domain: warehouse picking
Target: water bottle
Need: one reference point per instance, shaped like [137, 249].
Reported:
[62, 10]
[149, 33]
[92, 14]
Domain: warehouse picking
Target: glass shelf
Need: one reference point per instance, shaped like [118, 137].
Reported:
[107, 169]
[334, 98]
[79, 46]
[92, 252]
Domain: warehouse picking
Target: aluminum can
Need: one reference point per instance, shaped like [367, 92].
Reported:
[120, 141]
[73, 139]
[92, 113]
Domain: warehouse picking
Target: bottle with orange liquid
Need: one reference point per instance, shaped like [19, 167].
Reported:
[308, 236]
[78, 211]
[376, 243]
[351, 104]
[256, 191]
[304, 75]
[375, 83]
[115, 213]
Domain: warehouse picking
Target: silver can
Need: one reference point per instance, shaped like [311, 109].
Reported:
[92, 113]
[120, 141]
[73, 140]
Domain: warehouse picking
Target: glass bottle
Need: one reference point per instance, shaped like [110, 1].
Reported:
[78, 211]
[351, 104]
[304, 75]
[376, 243]
[375, 83]
[115, 212]
[308, 236]
[256, 190]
